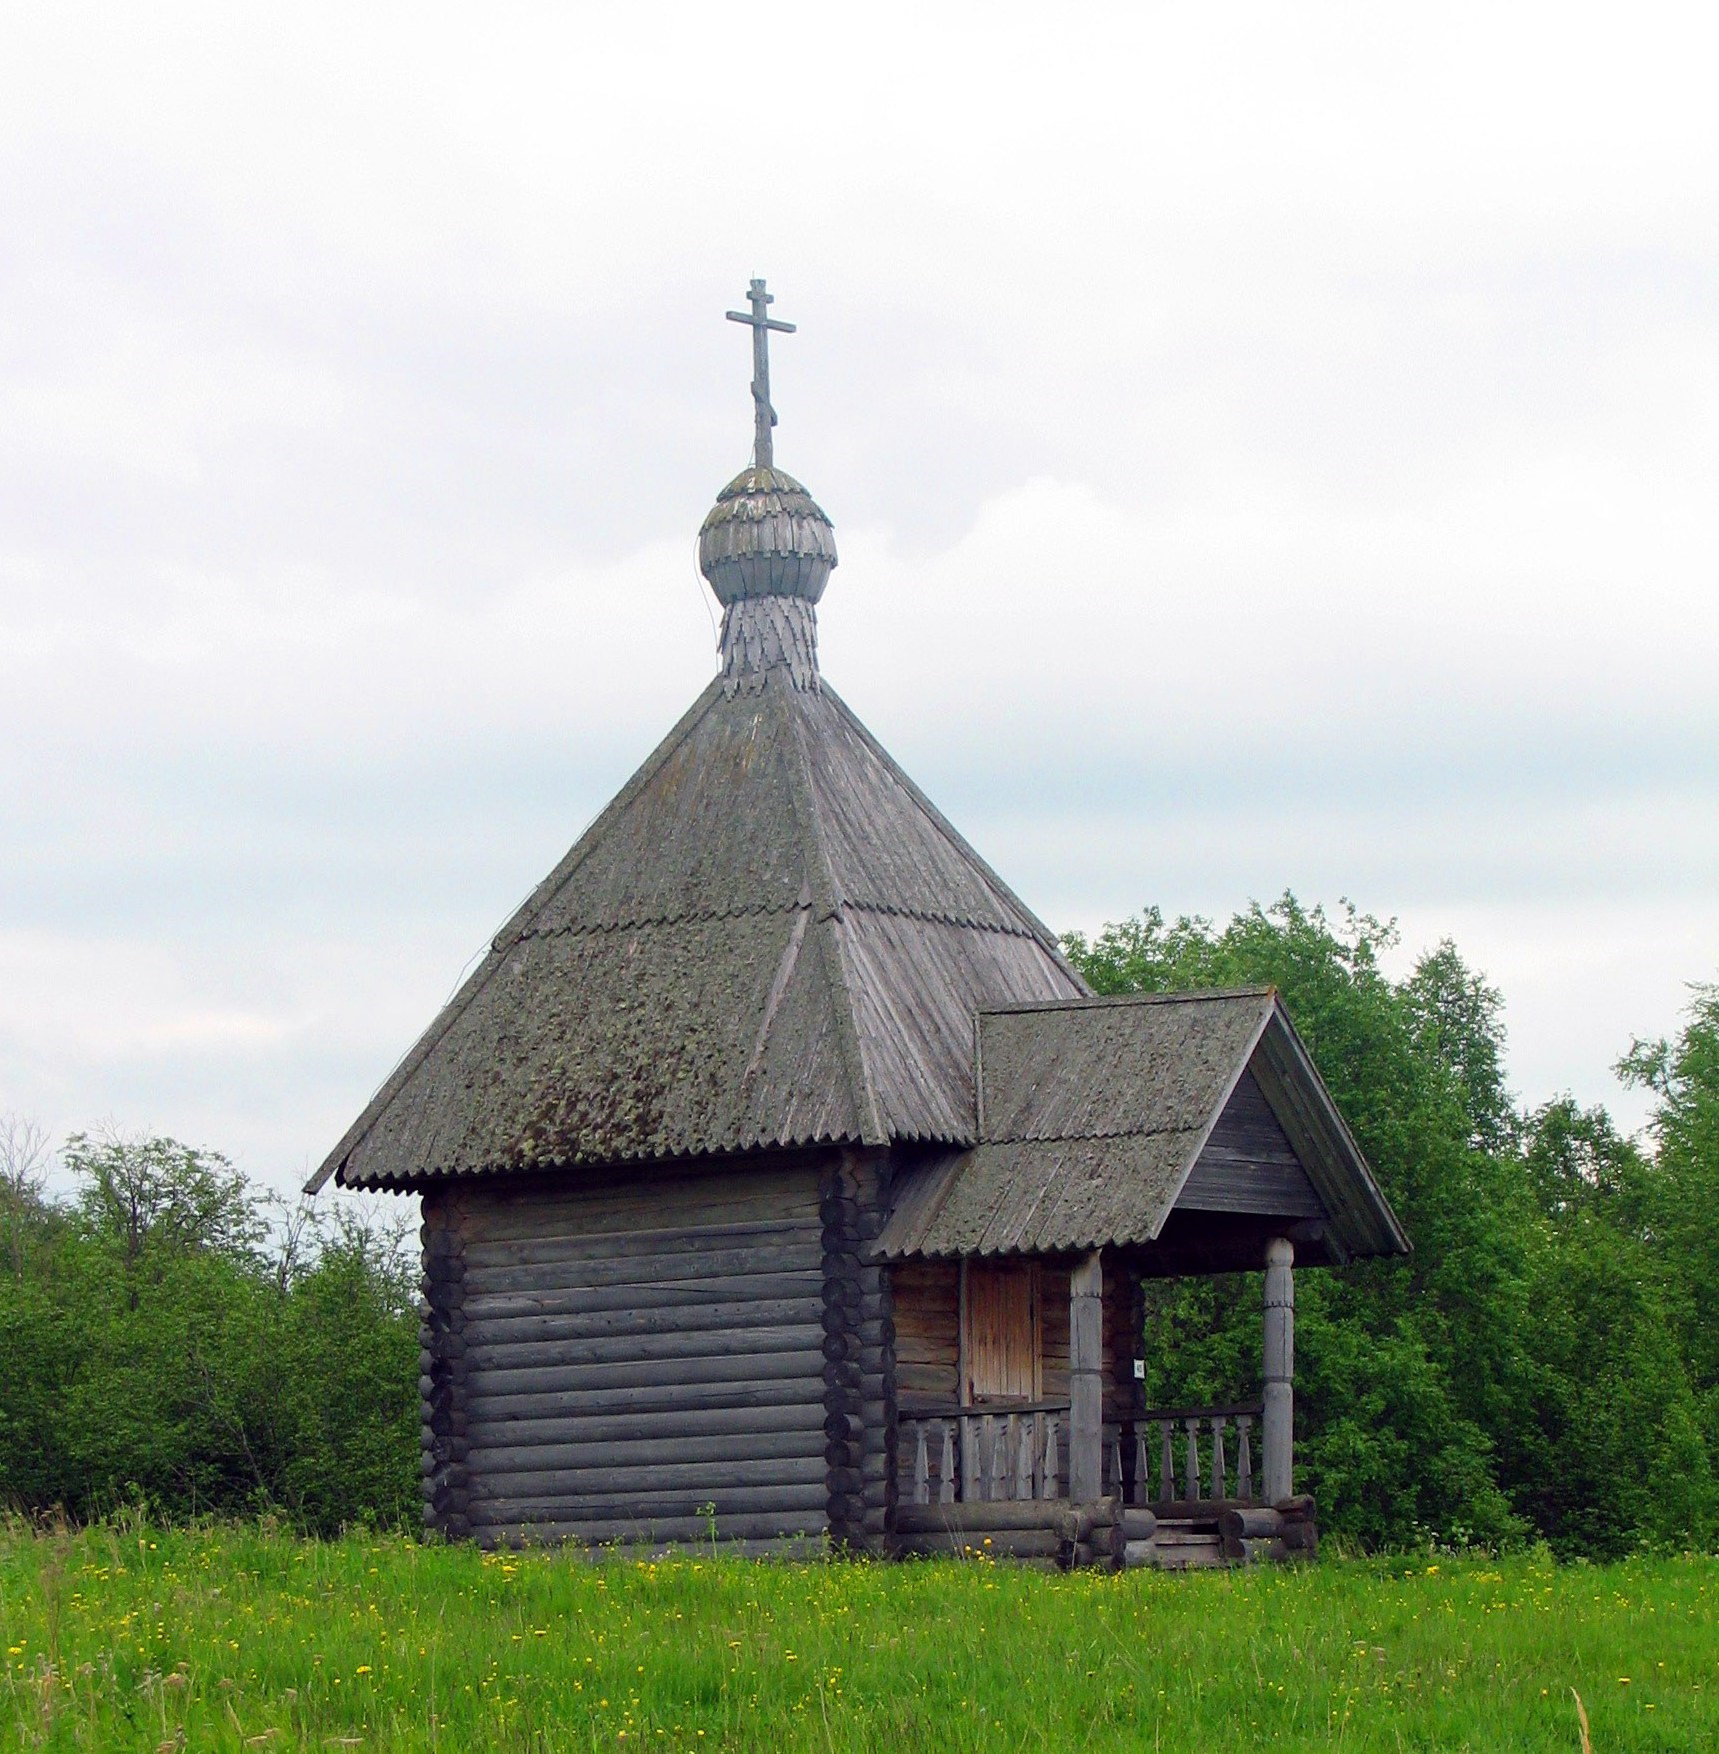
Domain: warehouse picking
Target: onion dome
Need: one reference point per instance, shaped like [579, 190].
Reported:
[766, 537]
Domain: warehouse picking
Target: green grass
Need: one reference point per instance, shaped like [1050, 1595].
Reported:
[232, 1638]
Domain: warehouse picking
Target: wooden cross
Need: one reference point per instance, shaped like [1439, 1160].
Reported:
[761, 323]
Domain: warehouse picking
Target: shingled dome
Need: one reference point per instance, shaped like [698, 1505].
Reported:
[766, 537]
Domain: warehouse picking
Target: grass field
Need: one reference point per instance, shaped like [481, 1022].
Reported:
[232, 1638]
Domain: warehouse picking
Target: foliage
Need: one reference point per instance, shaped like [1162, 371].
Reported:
[132, 1638]
[1535, 1366]
[1544, 1365]
[159, 1339]
[1681, 1207]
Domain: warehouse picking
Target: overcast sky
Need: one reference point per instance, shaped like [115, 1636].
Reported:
[1269, 447]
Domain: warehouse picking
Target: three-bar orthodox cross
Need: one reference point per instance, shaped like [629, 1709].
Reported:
[761, 324]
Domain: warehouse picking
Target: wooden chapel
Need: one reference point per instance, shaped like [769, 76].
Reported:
[778, 1173]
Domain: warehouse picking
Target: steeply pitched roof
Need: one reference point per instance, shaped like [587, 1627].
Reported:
[770, 937]
[1093, 1114]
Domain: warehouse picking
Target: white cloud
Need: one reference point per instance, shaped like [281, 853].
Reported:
[1267, 448]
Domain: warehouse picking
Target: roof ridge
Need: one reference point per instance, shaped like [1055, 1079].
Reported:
[1034, 926]
[826, 915]
[1100, 1001]
[479, 978]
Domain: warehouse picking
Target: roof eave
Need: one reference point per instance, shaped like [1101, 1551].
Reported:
[1360, 1216]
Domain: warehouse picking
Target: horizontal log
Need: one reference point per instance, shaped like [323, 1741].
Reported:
[497, 1457]
[1138, 1554]
[656, 1531]
[620, 1503]
[662, 1397]
[1003, 1544]
[708, 1477]
[540, 1295]
[934, 1377]
[1182, 1414]
[727, 1369]
[649, 1319]
[983, 1518]
[614, 1250]
[580, 1185]
[1089, 1556]
[596, 1219]
[995, 1410]
[615, 1348]
[1300, 1508]
[600, 1425]
[918, 1391]
[1250, 1522]
[1192, 1510]
[1138, 1523]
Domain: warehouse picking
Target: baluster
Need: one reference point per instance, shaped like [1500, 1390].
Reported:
[1114, 1452]
[1000, 1458]
[983, 1440]
[1244, 1457]
[1022, 1440]
[1219, 1471]
[921, 1466]
[1167, 1462]
[1050, 1486]
[1191, 1469]
[946, 1473]
[1142, 1467]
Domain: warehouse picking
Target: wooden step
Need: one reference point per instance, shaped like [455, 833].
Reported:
[1188, 1546]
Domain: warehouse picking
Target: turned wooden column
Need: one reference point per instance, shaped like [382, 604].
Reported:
[1086, 1380]
[1278, 1436]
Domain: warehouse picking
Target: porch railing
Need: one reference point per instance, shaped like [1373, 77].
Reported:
[968, 1455]
[973, 1455]
[1184, 1453]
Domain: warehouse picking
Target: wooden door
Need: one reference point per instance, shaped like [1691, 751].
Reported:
[1002, 1348]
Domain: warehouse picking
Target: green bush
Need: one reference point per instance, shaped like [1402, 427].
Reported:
[159, 1342]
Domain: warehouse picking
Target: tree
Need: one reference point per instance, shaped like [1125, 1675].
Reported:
[148, 1194]
[163, 1342]
[1683, 1201]
[1525, 1368]
[23, 1176]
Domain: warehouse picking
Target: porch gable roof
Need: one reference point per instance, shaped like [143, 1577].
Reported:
[1094, 1112]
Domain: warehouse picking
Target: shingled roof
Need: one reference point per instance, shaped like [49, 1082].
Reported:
[770, 937]
[1094, 1115]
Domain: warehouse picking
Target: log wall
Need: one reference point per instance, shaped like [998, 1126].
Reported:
[859, 1350]
[636, 1345]
[441, 1366]
[926, 1297]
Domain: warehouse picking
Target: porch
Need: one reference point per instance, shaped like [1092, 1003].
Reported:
[1092, 1476]
[1119, 1140]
